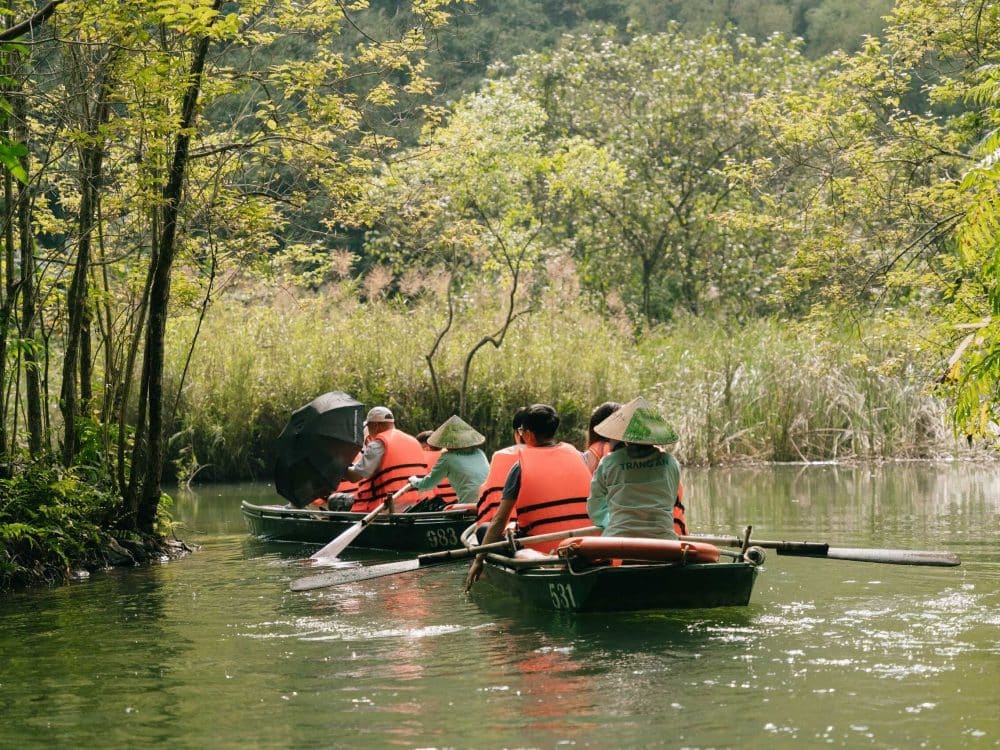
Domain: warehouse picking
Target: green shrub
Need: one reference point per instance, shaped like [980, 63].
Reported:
[50, 521]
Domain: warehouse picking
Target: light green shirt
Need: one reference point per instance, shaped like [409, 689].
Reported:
[466, 469]
[632, 493]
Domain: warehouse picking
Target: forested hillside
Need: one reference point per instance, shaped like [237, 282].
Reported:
[494, 32]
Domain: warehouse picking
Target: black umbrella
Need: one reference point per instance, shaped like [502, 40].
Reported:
[316, 446]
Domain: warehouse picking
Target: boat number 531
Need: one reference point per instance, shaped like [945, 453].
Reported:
[562, 596]
[442, 538]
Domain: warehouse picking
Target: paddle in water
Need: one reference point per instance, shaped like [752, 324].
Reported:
[344, 540]
[339, 577]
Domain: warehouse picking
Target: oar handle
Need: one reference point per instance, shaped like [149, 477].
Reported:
[390, 503]
[890, 556]
[370, 515]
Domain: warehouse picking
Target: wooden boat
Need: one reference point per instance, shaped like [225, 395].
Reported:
[676, 576]
[409, 532]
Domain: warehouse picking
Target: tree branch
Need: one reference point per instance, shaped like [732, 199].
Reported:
[38, 19]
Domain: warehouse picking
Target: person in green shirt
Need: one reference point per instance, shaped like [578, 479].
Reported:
[634, 487]
[462, 461]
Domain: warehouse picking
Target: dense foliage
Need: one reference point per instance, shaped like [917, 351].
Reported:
[214, 211]
[763, 391]
[53, 521]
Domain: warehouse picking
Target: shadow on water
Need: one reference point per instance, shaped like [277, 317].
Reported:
[98, 646]
[682, 632]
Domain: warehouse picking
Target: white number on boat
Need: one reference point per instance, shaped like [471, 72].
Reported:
[442, 538]
[562, 596]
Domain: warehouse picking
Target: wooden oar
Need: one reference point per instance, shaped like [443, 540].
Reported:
[338, 545]
[822, 550]
[351, 575]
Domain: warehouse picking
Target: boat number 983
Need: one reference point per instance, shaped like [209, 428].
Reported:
[562, 596]
[442, 538]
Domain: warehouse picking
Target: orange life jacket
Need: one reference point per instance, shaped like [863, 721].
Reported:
[680, 525]
[403, 458]
[444, 491]
[492, 488]
[598, 451]
[555, 484]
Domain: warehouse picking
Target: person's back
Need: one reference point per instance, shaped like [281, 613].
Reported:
[635, 487]
[553, 492]
[492, 487]
[462, 462]
[638, 484]
[388, 460]
[500, 465]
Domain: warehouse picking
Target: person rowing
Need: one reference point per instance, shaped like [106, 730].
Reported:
[547, 486]
[462, 461]
[389, 457]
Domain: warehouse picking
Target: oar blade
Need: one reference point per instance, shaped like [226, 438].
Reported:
[352, 575]
[339, 544]
[893, 556]
[343, 541]
[823, 551]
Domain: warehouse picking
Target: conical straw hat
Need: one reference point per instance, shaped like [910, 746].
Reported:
[454, 434]
[637, 422]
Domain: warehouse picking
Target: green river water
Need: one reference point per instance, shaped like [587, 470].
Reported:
[214, 651]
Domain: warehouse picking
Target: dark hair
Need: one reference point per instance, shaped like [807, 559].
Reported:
[541, 420]
[518, 420]
[422, 436]
[598, 415]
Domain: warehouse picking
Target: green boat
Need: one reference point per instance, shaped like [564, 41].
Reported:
[576, 586]
[405, 532]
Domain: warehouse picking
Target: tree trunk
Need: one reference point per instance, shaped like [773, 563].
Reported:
[26, 249]
[149, 499]
[91, 166]
[8, 290]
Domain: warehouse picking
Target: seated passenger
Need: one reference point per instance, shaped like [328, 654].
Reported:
[636, 487]
[461, 461]
[547, 486]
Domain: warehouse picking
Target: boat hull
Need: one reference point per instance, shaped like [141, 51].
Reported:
[624, 588]
[409, 532]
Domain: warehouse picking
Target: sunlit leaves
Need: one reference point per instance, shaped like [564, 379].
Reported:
[673, 114]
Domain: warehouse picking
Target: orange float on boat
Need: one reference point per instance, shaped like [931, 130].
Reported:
[635, 548]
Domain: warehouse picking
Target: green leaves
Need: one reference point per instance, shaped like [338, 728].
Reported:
[50, 519]
[11, 154]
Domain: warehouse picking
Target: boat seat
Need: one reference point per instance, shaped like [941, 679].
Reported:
[531, 554]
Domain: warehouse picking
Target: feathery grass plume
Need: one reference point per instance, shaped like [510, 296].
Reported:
[767, 391]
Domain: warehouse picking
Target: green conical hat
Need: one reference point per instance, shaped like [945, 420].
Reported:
[454, 434]
[637, 422]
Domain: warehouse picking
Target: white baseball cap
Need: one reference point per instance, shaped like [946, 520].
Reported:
[379, 414]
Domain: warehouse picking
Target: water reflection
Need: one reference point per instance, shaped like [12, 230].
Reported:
[946, 501]
[215, 650]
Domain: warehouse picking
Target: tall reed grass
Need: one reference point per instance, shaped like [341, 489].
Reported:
[767, 391]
